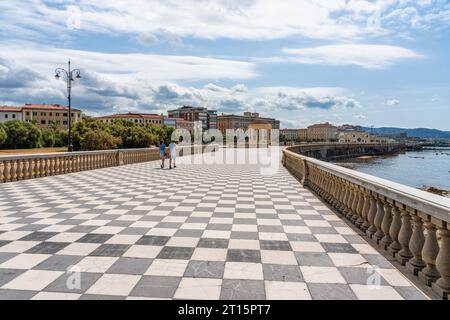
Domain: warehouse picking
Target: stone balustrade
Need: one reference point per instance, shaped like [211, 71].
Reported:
[21, 167]
[409, 224]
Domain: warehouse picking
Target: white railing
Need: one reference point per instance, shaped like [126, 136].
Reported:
[411, 224]
[21, 167]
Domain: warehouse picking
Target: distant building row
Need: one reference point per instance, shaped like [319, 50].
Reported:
[43, 115]
[326, 132]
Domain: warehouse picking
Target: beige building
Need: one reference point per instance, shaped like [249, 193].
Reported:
[322, 132]
[354, 137]
[290, 134]
[42, 115]
[144, 118]
[48, 116]
[303, 135]
[234, 122]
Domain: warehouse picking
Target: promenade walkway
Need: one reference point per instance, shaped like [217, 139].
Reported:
[196, 232]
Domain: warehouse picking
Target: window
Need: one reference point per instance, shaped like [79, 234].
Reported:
[13, 116]
[6, 116]
[65, 114]
[65, 122]
[28, 113]
[57, 114]
[51, 114]
[34, 113]
[43, 114]
[42, 121]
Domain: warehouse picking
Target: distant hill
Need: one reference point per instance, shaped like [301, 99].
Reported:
[418, 132]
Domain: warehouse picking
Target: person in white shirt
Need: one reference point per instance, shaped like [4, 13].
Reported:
[173, 153]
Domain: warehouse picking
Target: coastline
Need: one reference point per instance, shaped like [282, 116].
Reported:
[382, 165]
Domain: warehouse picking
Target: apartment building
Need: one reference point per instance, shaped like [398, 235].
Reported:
[42, 115]
[290, 134]
[322, 132]
[207, 118]
[144, 118]
[234, 122]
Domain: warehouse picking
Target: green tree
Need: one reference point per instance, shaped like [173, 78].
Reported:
[22, 135]
[48, 138]
[3, 135]
[61, 138]
[99, 140]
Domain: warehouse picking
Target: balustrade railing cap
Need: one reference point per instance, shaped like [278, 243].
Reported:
[78, 153]
[428, 203]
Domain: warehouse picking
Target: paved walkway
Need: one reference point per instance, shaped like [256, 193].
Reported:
[196, 232]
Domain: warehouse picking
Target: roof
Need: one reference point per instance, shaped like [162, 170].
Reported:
[10, 109]
[47, 107]
[132, 116]
[322, 125]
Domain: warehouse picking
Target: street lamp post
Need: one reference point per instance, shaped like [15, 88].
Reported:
[69, 76]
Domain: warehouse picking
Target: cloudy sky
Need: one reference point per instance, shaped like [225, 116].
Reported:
[380, 62]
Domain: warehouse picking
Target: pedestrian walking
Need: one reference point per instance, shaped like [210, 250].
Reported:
[162, 153]
[173, 153]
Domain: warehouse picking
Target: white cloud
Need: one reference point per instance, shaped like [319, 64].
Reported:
[392, 102]
[234, 19]
[368, 56]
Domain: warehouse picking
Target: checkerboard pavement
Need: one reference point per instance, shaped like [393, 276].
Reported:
[195, 232]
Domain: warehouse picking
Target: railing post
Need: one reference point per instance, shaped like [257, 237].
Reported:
[371, 215]
[415, 245]
[378, 220]
[442, 285]
[386, 224]
[430, 250]
[394, 231]
[405, 254]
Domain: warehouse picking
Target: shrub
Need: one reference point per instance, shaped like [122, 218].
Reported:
[48, 138]
[61, 138]
[99, 140]
[3, 135]
[22, 135]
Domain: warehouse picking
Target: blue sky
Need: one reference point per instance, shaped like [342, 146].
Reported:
[381, 63]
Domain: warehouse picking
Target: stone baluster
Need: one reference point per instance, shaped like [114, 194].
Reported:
[360, 208]
[41, 167]
[404, 236]
[350, 198]
[25, 169]
[394, 231]
[386, 224]
[379, 234]
[60, 165]
[442, 285]
[364, 223]
[13, 170]
[19, 169]
[341, 192]
[371, 215]
[430, 250]
[416, 263]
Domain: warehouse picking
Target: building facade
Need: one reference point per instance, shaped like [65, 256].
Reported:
[10, 113]
[303, 135]
[355, 137]
[290, 134]
[50, 116]
[42, 115]
[234, 122]
[144, 118]
[179, 123]
[208, 118]
[322, 132]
